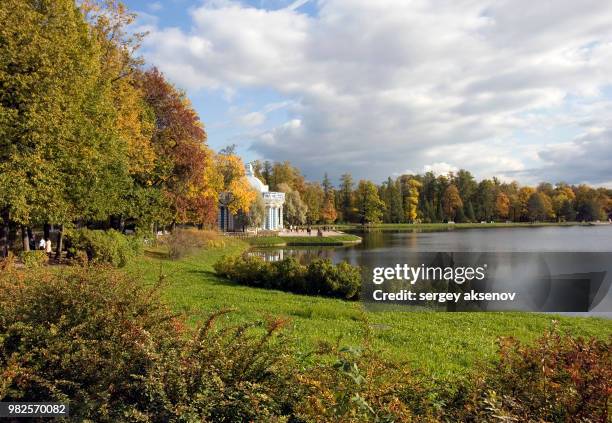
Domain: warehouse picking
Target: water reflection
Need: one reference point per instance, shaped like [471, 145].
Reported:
[382, 248]
[303, 254]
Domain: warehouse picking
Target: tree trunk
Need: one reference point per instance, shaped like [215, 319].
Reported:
[46, 231]
[31, 238]
[4, 232]
[25, 239]
[60, 242]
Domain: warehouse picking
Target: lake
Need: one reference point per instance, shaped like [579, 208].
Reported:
[388, 247]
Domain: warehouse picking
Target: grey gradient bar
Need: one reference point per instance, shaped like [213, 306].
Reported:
[557, 282]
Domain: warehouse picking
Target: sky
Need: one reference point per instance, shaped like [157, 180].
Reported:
[517, 89]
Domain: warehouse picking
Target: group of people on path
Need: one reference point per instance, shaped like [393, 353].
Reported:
[308, 229]
[44, 244]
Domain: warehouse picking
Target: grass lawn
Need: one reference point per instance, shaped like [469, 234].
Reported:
[444, 345]
[275, 241]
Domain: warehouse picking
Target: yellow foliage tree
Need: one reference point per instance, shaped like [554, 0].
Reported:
[329, 213]
[235, 191]
[502, 205]
[524, 195]
[411, 201]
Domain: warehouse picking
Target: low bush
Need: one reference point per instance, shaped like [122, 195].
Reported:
[107, 345]
[341, 280]
[557, 379]
[182, 242]
[33, 259]
[356, 385]
[319, 277]
[110, 246]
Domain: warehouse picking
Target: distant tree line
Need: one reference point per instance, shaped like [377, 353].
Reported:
[90, 136]
[427, 198]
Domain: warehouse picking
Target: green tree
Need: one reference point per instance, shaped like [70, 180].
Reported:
[313, 198]
[255, 216]
[346, 196]
[485, 196]
[294, 209]
[60, 157]
[466, 184]
[395, 201]
[369, 205]
[469, 212]
[539, 206]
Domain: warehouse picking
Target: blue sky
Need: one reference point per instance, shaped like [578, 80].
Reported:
[514, 89]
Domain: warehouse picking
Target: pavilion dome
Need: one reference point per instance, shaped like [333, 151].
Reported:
[255, 182]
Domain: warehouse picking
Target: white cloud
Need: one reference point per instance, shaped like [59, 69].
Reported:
[440, 168]
[252, 119]
[379, 86]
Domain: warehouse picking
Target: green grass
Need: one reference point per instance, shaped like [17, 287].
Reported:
[276, 241]
[446, 226]
[443, 345]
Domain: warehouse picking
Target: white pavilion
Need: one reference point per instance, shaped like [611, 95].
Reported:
[274, 202]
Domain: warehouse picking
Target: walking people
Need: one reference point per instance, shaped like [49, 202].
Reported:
[48, 246]
[42, 244]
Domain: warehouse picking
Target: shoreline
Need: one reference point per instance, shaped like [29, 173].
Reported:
[451, 226]
[303, 241]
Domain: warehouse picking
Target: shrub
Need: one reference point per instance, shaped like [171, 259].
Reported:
[245, 270]
[108, 346]
[355, 386]
[341, 280]
[182, 242]
[559, 379]
[288, 275]
[229, 374]
[33, 259]
[106, 246]
[80, 336]
[320, 277]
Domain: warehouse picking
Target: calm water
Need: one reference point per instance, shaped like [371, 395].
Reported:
[386, 248]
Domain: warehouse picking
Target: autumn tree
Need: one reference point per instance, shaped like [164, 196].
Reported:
[235, 191]
[502, 205]
[410, 192]
[328, 213]
[524, 195]
[328, 209]
[185, 169]
[451, 201]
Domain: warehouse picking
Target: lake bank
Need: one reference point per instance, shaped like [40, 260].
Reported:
[451, 226]
[292, 241]
[445, 346]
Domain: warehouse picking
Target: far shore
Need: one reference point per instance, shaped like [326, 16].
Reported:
[447, 226]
